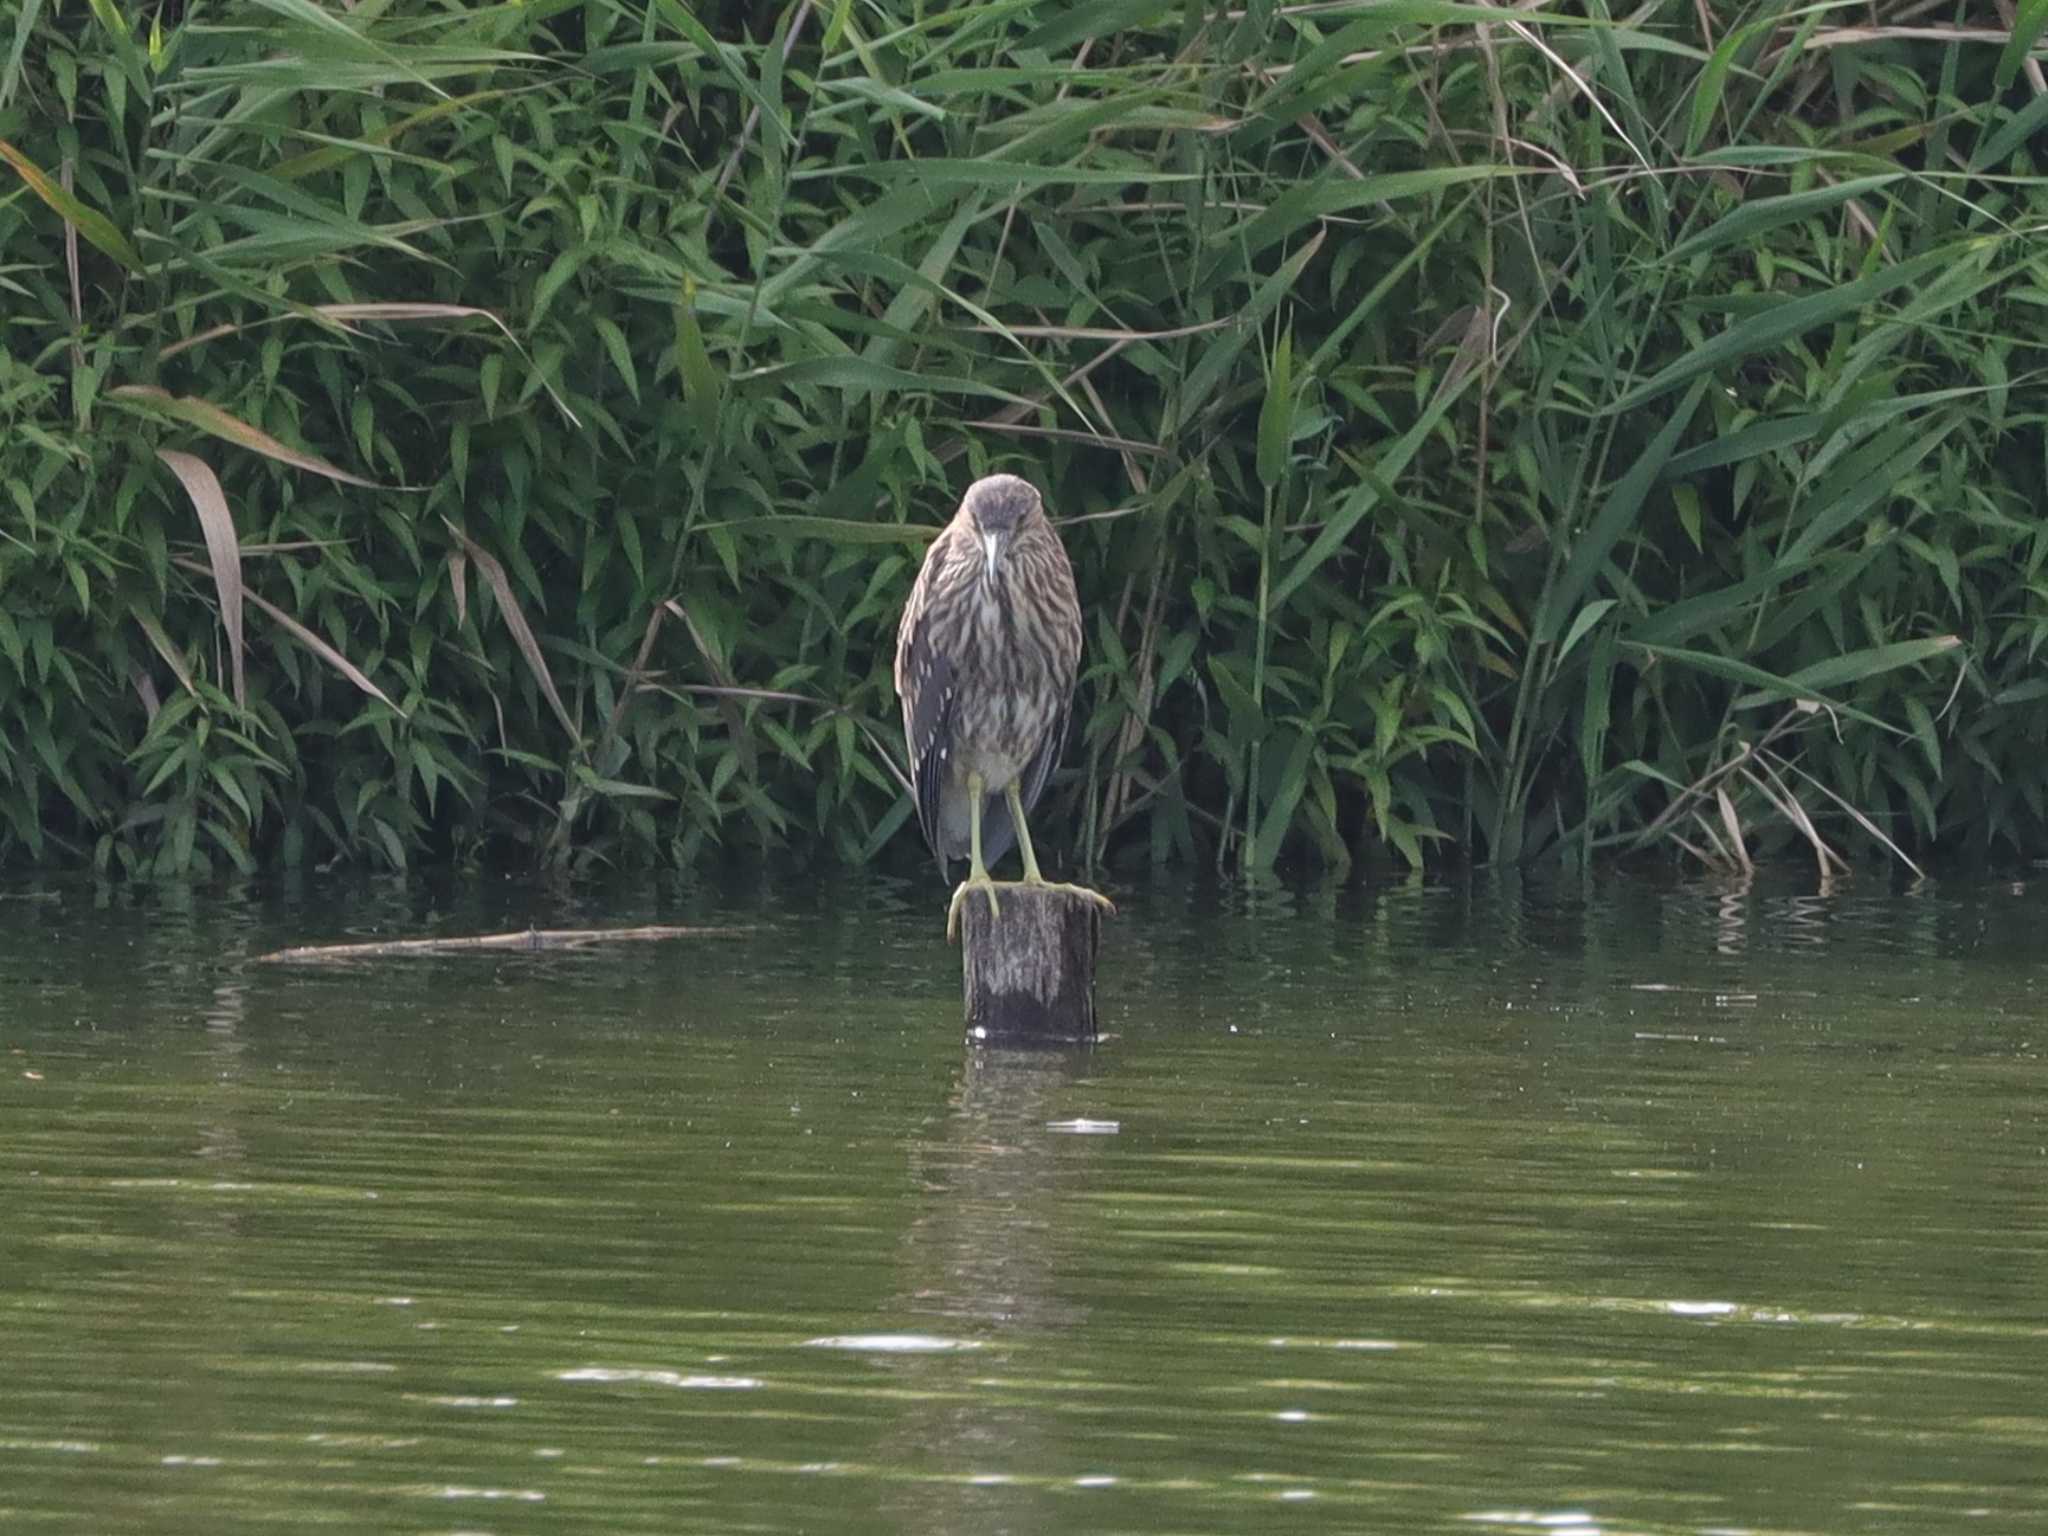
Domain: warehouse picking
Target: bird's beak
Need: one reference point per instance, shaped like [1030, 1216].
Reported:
[993, 546]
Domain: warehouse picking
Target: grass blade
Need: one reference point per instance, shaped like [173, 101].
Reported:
[1367, 494]
[1768, 213]
[1320, 199]
[1712, 85]
[2028, 23]
[1767, 685]
[330, 156]
[1782, 322]
[1855, 666]
[1614, 518]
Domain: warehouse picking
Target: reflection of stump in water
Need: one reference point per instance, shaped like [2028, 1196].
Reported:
[980, 1263]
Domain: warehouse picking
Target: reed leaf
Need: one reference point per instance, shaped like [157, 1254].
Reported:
[95, 226]
[515, 620]
[223, 551]
[325, 652]
[232, 429]
[1460, 418]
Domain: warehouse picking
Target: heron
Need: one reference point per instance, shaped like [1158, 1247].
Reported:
[985, 663]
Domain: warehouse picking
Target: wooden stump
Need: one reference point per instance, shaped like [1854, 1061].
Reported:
[1029, 973]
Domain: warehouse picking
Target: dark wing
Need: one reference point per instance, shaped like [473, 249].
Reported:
[924, 680]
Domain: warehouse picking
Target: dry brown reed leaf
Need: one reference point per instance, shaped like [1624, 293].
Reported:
[1732, 824]
[1787, 804]
[313, 643]
[325, 652]
[735, 718]
[230, 428]
[634, 676]
[161, 643]
[145, 690]
[515, 620]
[337, 316]
[458, 583]
[1855, 815]
[1103, 332]
[223, 551]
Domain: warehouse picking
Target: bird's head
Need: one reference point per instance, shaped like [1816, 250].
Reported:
[997, 508]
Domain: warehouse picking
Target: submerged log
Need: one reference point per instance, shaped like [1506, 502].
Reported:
[1029, 970]
[524, 939]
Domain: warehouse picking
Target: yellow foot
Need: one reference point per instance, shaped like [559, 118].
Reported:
[960, 895]
[1097, 897]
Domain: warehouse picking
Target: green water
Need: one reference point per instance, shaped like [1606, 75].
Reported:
[1441, 1208]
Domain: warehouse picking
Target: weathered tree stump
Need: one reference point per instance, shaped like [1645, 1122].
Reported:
[1029, 972]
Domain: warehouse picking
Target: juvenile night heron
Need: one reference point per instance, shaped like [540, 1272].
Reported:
[985, 661]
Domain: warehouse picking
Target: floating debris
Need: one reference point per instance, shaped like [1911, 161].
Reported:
[892, 1343]
[662, 1379]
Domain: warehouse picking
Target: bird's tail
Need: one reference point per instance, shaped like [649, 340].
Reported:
[998, 833]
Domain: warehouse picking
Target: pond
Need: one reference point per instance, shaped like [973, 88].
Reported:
[1469, 1206]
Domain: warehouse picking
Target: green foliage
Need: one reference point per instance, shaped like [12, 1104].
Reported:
[426, 428]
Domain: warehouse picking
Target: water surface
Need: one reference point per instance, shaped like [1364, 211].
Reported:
[1442, 1207]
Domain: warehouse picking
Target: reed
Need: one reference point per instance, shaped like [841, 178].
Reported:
[435, 432]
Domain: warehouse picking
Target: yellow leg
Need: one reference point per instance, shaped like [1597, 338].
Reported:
[1031, 874]
[977, 872]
